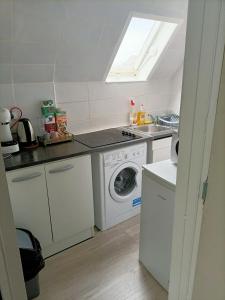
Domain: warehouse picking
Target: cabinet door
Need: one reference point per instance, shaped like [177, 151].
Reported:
[28, 195]
[156, 229]
[161, 149]
[70, 193]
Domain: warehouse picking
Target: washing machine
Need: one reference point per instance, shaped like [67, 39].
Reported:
[117, 179]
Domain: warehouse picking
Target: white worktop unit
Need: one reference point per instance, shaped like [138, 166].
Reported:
[158, 194]
[164, 172]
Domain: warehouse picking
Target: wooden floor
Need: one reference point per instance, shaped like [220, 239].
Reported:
[103, 268]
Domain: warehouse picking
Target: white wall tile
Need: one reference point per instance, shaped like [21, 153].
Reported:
[101, 90]
[5, 73]
[110, 121]
[6, 95]
[104, 108]
[5, 52]
[71, 92]
[68, 72]
[80, 127]
[29, 96]
[5, 19]
[77, 111]
[85, 111]
[32, 73]
[33, 53]
[28, 28]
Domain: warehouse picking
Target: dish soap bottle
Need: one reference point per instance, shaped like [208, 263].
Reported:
[141, 116]
[148, 118]
[133, 114]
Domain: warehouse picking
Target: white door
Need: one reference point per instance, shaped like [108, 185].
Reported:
[28, 195]
[70, 193]
[125, 181]
[202, 73]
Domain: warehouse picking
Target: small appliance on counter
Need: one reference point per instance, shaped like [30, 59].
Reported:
[8, 144]
[26, 135]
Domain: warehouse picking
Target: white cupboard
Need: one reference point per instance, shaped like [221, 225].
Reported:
[69, 185]
[158, 194]
[159, 150]
[54, 201]
[29, 200]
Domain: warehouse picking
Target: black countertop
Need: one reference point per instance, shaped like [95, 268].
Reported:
[47, 154]
[51, 153]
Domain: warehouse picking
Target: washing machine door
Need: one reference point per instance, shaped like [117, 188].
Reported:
[125, 181]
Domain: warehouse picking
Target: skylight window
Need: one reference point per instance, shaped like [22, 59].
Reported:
[140, 49]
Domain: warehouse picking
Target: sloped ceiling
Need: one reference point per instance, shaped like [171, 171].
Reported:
[74, 40]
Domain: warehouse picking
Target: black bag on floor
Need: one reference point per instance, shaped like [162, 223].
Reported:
[30, 253]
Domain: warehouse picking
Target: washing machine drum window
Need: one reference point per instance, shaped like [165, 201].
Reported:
[123, 182]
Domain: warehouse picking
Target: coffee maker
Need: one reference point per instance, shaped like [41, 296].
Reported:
[8, 144]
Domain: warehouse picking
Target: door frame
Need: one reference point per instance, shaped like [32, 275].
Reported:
[201, 78]
[11, 276]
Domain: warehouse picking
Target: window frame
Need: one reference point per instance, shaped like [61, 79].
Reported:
[116, 49]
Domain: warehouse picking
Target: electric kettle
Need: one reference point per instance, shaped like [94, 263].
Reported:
[26, 135]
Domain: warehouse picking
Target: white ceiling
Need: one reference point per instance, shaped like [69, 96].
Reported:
[74, 40]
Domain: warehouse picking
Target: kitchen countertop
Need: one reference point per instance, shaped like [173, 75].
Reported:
[163, 171]
[51, 153]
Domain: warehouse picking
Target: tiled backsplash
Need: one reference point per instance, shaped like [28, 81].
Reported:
[90, 105]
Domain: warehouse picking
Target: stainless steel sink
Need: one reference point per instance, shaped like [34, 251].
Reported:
[151, 130]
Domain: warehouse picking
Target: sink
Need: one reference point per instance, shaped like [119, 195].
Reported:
[151, 130]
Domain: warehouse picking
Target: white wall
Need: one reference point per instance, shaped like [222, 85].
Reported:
[72, 40]
[176, 88]
[61, 50]
[210, 272]
[90, 105]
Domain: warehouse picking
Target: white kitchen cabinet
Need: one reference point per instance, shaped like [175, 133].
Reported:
[159, 150]
[69, 184]
[28, 195]
[157, 211]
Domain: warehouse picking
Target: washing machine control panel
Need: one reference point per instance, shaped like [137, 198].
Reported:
[123, 155]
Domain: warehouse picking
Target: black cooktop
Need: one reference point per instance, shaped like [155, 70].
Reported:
[105, 137]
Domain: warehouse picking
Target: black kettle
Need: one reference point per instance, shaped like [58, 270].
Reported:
[26, 135]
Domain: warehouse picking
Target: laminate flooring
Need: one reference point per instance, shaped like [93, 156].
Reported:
[105, 267]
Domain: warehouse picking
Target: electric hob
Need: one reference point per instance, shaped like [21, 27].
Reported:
[105, 137]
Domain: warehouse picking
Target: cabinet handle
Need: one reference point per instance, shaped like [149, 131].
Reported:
[161, 197]
[61, 169]
[27, 177]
